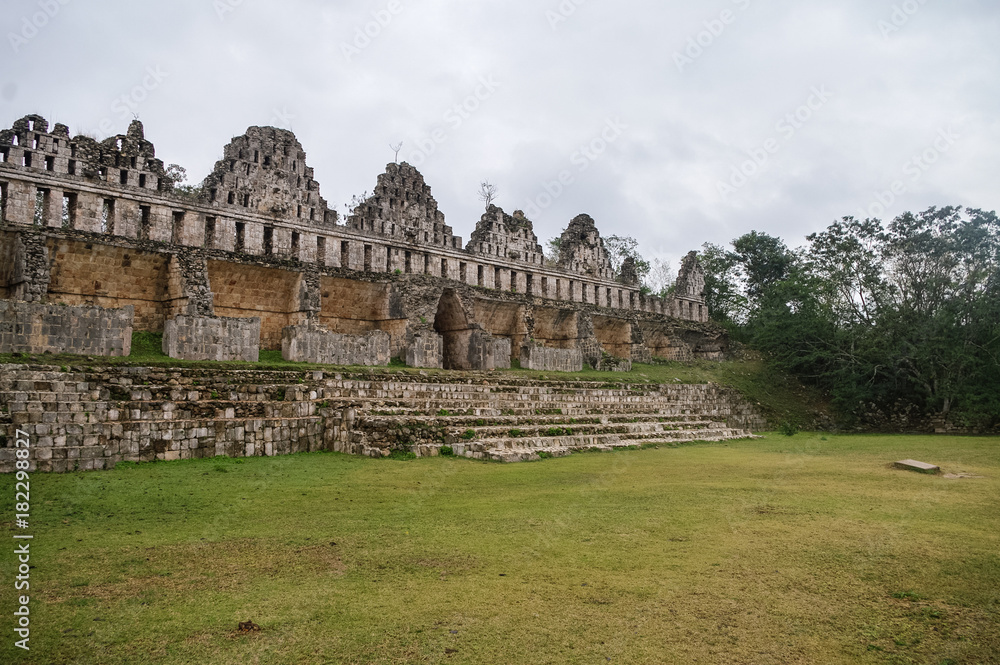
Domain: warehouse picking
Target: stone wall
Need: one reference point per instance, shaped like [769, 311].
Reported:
[551, 360]
[314, 344]
[37, 328]
[487, 352]
[211, 338]
[262, 200]
[426, 350]
[93, 417]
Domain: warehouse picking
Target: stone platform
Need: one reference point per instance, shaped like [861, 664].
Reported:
[93, 417]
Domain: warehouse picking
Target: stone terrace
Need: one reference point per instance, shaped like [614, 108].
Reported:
[92, 418]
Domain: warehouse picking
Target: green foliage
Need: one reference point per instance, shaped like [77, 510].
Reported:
[397, 362]
[544, 454]
[147, 345]
[402, 455]
[444, 413]
[469, 434]
[619, 249]
[270, 356]
[725, 302]
[558, 431]
[884, 316]
[788, 428]
[446, 451]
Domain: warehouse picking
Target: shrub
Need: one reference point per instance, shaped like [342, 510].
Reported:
[469, 434]
[788, 428]
[446, 451]
[402, 455]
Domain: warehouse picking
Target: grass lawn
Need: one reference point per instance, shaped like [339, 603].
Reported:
[804, 549]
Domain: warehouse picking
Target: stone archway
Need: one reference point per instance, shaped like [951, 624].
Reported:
[452, 324]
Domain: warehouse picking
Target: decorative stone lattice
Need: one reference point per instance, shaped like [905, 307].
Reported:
[401, 206]
[508, 236]
[581, 249]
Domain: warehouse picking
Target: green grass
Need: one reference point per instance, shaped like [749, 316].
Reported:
[801, 549]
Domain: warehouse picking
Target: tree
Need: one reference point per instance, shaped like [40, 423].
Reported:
[723, 296]
[552, 250]
[178, 174]
[395, 149]
[619, 248]
[884, 315]
[660, 278]
[764, 261]
[487, 192]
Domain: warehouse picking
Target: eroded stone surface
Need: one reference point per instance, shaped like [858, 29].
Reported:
[914, 465]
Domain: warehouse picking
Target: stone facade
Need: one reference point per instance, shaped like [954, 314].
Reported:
[314, 344]
[191, 337]
[581, 250]
[551, 360]
[102, 224]
[506, 236]
[401, 206]
[426, 350]
[92, 418]
[36, 328]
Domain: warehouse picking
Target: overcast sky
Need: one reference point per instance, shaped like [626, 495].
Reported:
[677, 123]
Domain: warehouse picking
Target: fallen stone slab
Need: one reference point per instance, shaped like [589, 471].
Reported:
[914, 465]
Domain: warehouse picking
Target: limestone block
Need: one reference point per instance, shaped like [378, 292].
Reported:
[551, 360]
[315, 344]
[919, 467]
[212, 338]
[426, 350]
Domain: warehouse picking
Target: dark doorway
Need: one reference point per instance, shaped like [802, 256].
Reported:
[451, 323]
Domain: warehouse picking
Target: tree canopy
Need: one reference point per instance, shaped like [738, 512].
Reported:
[880, 314]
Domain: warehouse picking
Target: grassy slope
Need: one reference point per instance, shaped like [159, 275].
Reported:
[795, 550]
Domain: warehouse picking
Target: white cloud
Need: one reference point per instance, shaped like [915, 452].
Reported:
[558, 87]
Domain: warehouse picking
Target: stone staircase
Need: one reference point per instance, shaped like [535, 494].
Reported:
[510, 421]
[94, 417]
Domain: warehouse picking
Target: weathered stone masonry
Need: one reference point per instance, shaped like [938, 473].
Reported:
[92, 418]
[100, 224]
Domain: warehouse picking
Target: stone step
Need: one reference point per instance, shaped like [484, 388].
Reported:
[464, 421]
[515, 450]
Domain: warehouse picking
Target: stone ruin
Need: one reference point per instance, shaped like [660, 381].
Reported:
[98, 241]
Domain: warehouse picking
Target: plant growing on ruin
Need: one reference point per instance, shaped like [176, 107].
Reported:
[469, 434]
[488, 192]
[446, 451]
[178, 174]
